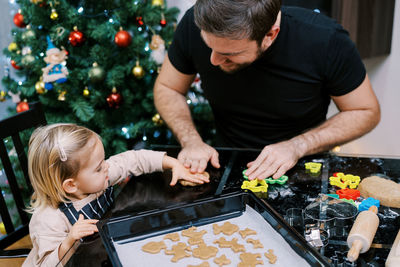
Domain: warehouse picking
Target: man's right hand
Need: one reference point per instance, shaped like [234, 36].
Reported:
[196, 156]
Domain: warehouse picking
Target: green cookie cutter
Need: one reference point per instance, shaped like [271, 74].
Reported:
[281, 180]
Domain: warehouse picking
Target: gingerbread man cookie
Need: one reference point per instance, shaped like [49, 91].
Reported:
[204, 252]
[203, 264]
[154, 247]
[194, 237]
[256, 243]
[223, 260]
[179, 251]
[227, 228]
[233, 244]
[250, 260]
[244, 233]
[172, 236]
[271, 256]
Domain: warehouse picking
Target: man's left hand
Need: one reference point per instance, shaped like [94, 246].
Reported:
[274, 160]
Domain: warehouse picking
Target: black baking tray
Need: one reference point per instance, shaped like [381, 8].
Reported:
[140, 226]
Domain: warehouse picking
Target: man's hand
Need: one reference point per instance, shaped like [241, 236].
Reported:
[196, 155]
[274, 160]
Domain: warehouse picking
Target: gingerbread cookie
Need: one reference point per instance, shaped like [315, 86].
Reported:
[204, 252]
[244, 233]
[179, 251]
[203, 264]
[223, 260]
[250, 260]
[154, 247]
[233, 244]
[271, 256]
[194, 237]
[227, 228]
[187, 183]
[172, 236]
[256, 243]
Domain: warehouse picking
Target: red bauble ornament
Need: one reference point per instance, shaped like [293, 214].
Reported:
[76, 38]
[139, 21]
[123, 38]
[19, 20]
[14, 64]
[114, 100]
[22, 106]
[163, 23]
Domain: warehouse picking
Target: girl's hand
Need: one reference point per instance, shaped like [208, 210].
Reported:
[179, 172]
[82, 228]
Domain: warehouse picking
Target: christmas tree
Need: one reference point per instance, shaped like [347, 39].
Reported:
[94, 63]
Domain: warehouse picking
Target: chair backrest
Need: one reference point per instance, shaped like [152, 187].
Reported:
[11, 127]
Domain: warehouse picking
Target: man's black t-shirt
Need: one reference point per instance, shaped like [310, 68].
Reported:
[283, 93]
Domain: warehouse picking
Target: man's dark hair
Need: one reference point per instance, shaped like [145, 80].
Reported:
[237, 19]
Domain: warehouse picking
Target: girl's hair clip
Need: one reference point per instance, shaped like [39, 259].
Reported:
[61, 151]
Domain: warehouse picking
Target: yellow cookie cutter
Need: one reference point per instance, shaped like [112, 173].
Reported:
[255, 186]
[342, 180]
[313, 167]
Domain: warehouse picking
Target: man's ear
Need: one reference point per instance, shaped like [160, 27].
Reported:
[69, 186]
[270, 37]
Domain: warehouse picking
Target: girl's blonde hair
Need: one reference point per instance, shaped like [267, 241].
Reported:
[51, 161]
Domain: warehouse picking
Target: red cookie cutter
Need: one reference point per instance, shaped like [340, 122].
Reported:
[348, 193]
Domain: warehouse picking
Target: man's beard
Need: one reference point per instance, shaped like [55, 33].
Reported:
[239, 67]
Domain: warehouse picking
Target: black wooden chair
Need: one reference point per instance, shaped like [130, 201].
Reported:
[12, 127]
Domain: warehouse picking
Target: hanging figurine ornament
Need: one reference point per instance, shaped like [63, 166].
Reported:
[19, 20]
[2, 96]
[76, 38]
[96, 73]
[163, 21]
[61, 96]
[22, 106]
[122, 38]
[157, 46]
[55, 71]
[28, 35]
[157, 2]
[139, 21]
[86, 92]
[15, 97]
[39, 86]
[138, 71]
[14, 64]
[114, 100]
[54, 14]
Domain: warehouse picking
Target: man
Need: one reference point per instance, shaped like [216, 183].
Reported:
[269, 73]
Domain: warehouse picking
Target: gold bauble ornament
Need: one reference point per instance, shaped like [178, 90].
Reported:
[54, 14]
[157, 2]
[138, 71]
[61, 96]
[12, 46]
[86, 92]
[39, 86]
[157, 120]
[2, 96]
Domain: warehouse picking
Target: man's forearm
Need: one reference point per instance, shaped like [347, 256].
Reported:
[341, 128]
[175, 112]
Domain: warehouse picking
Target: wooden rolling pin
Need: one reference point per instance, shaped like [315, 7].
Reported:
[362, 233]
[393, 259]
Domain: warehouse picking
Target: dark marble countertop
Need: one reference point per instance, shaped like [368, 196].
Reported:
[153, 192]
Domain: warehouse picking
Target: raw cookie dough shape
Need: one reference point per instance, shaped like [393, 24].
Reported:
[204, 252]
[187, 183]
[271, 256]
[194, 237]
[227, 228]
[203, 264]
[256, 243]
[154, 247]
[179, 251]
[172, 236]
[223, 260]
[233, 244]
[244, 233]
[250, 260]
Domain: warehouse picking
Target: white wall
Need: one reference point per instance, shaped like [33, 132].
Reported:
[384, 73]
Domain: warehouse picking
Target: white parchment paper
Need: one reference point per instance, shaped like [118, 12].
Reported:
[131, 254]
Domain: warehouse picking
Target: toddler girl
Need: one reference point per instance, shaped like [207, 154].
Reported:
[73, 185]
